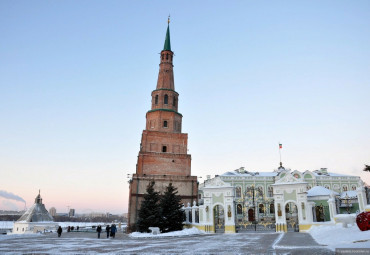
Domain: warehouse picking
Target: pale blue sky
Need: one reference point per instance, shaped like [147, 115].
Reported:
[76, 79]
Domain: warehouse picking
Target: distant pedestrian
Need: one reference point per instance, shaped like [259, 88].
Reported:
[107, 229]
[98, 229]
[113, 230]
[69, 229]
[59, 231]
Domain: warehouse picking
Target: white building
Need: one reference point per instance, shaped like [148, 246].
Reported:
[35, 219]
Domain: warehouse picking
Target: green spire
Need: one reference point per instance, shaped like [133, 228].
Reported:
[167, 42]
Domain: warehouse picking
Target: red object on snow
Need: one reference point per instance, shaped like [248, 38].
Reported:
[363, 221]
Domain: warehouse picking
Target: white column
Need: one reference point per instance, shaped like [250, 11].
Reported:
[361, 198]
[193, 209]
[310, 205]
[332, 209]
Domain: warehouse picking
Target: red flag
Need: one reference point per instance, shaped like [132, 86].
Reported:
[280, 146]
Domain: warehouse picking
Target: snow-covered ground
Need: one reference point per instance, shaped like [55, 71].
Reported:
[339, 237]
[9, 224]
[184, 232]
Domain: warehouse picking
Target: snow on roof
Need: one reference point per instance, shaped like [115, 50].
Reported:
[329, 174]
[250, 174]
[320, 191]
[350, 194]
[36, 213]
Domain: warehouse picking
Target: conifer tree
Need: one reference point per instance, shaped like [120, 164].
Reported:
[149, 213]
[172, 214]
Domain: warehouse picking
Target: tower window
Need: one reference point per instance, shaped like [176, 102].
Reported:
[174, 101]
[167, 56]
[164, 149]
[166, 99]
[156, 99]
[165, 124]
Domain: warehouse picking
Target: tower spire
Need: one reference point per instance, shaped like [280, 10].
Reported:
[167, 42]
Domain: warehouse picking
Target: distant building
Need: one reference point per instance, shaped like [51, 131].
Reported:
[53, 211]
[71, 213]
[35, 219]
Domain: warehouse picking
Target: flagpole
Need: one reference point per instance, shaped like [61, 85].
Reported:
[280, 146]
[280, 153]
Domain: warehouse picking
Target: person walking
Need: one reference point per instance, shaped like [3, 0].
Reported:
[107, 229]
[98, 229]
[59, 231]
[113, 230]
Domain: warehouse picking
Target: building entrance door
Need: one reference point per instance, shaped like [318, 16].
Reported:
[251, 215]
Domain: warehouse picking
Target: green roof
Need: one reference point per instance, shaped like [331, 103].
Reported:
[167, 42]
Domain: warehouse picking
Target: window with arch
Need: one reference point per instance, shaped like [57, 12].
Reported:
[165, 124]
[239, 209]
[164, 148]
[261, 208]
[270, 192]
[167, 56]
[166, 99]
[174, 101]
[354, 187]
[238, 191]
[345, 188]
[156, 99]
[272, 208]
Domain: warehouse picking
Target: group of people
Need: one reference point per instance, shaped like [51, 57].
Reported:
[111, 230]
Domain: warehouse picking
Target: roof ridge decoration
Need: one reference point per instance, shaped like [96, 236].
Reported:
[288, 179]
[216, 182]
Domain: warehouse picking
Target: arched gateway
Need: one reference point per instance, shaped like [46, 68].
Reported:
[292, 209]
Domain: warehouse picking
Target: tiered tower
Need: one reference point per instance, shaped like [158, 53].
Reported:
[163, 154]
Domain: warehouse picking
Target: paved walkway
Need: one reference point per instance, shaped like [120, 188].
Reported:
[87, 243]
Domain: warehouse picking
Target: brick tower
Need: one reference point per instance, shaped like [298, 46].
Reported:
[163, 150]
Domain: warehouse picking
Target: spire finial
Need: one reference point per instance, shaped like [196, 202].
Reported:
[167, 43]
[39, 191]
[169, 19]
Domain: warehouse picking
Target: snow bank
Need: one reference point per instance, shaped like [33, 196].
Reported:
[184, 232]
[335, 236]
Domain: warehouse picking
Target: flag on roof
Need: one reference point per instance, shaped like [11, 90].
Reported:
[280, 146]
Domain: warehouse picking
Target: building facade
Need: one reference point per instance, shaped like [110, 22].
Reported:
[282, 200]
[163, 155]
